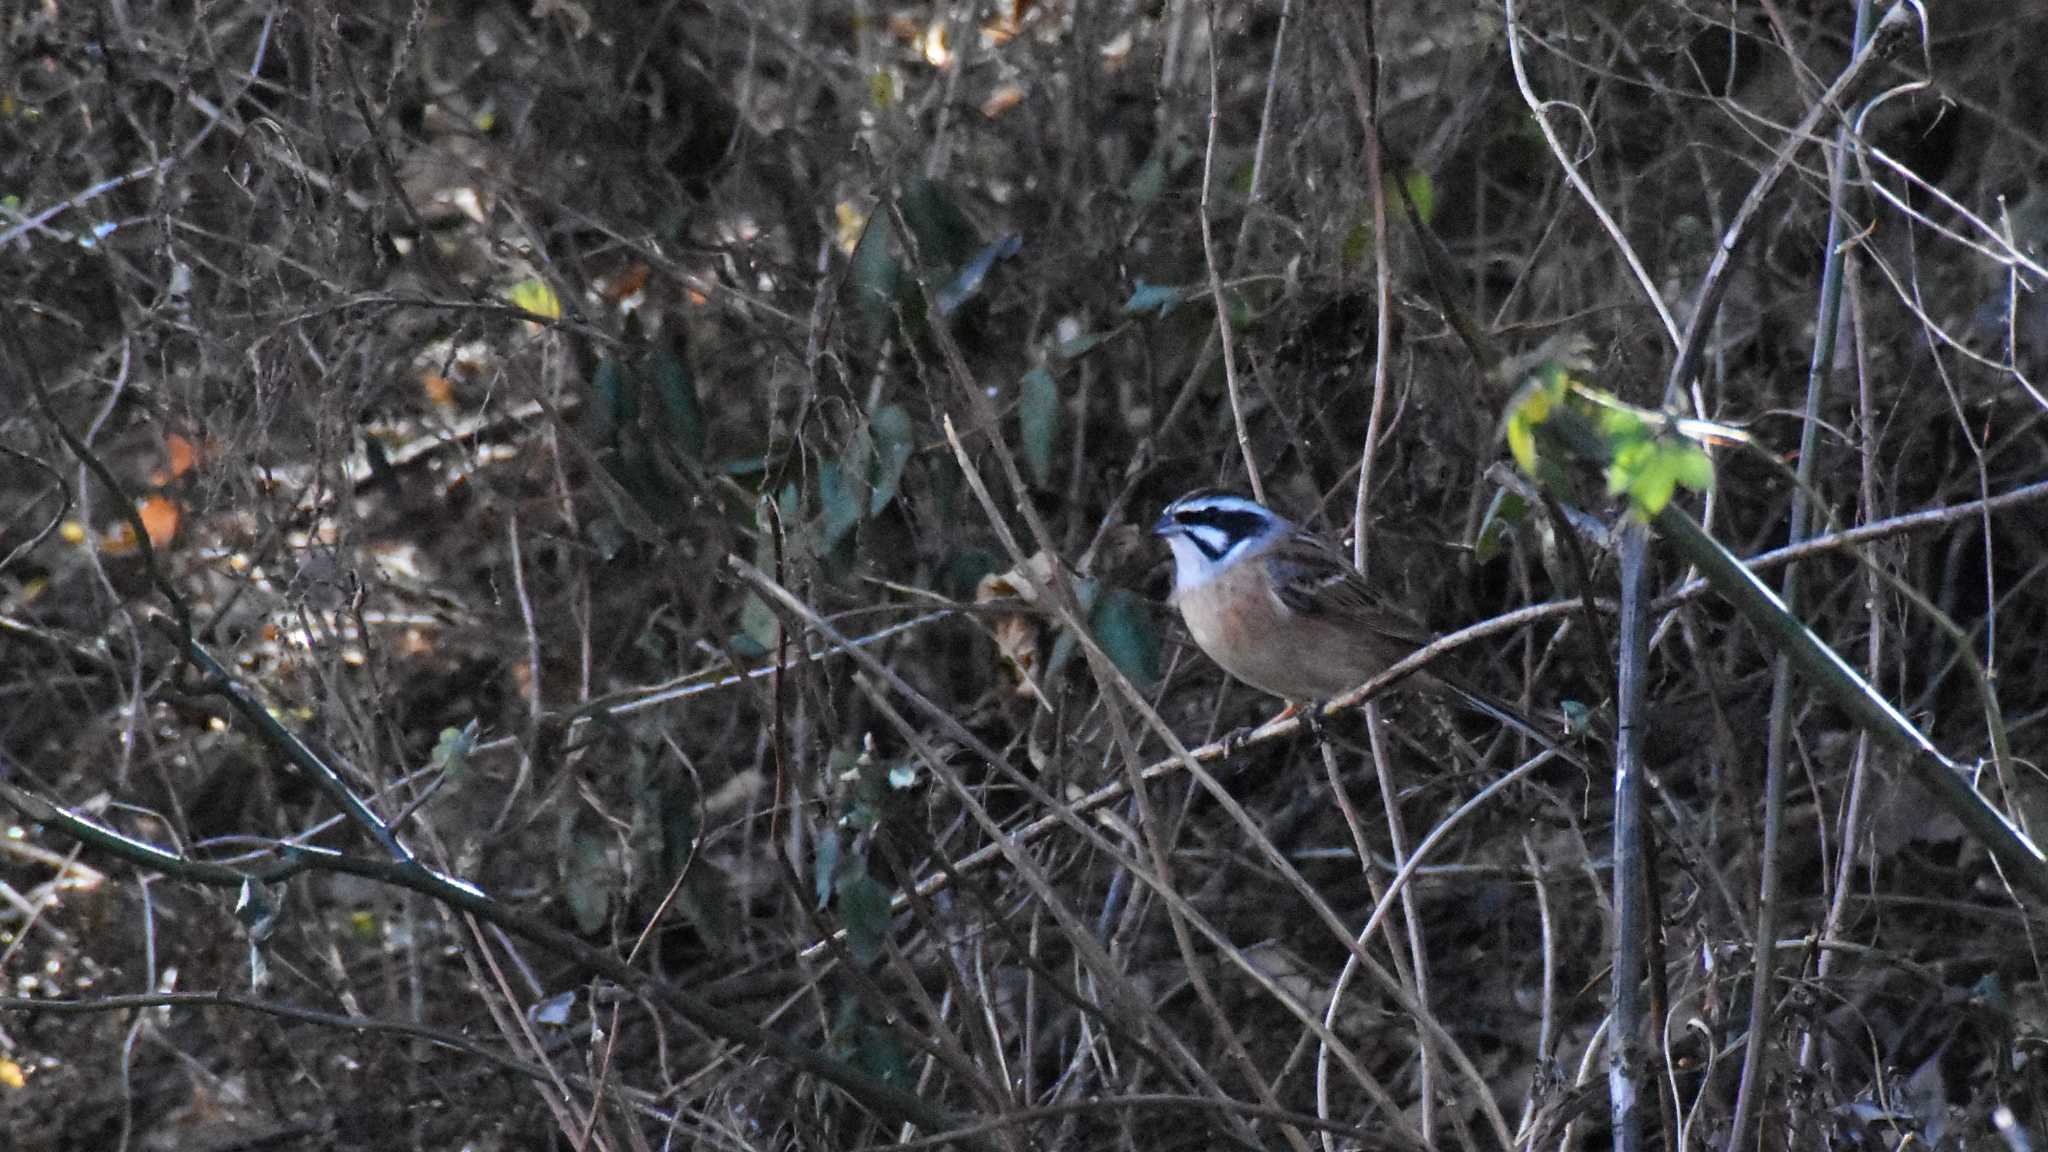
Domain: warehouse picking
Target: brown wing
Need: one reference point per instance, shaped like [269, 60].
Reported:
[1311, 580]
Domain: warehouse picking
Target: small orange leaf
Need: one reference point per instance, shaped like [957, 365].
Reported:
[180, 455]
[439, 389]
[119, 540]
[160, 519]
[627, 284]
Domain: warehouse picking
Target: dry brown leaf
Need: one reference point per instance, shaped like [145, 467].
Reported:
[1017, 634]
[1001, 100]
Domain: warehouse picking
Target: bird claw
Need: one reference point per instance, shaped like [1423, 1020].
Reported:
[1312, 722]
[1234, 741]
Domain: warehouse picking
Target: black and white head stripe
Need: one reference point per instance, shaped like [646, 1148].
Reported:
[1219, 523]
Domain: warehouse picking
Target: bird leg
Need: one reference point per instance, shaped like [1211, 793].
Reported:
[1234, 740]
[1312, 721]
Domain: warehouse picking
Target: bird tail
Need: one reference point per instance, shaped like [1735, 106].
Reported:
[1515, 718]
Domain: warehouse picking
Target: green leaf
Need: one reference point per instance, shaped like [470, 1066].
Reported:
[946, 238]
[614, 398]
[963, 571]
[680, 408]
[825, 866]
[678, 801]
[1357, 242]
[878, 1052]
[1654, 485]
[1503, 514]
[1126, 631]
[1081, 345]
[451, 753]
[1238, 310]
[876, 276]
[1622, 425]
[587, 880]
[864, 908]
[1422, 191]
[1038, 422]
[962, 287]
[758, 622]
[1149, 181]
[1528, 412]
[839, 494]
[890, 427]
[1696, 468]
[1160, 298]
[536, 297]
[1625, 468]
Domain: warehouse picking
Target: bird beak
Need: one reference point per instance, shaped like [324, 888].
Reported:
[1164, 526]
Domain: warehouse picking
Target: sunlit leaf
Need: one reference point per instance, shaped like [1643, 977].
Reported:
[848, 222]
[1695, 469]
[1654, 484]
[1620, 424]
[1625, 466]
[536, 297]
[1038, 422]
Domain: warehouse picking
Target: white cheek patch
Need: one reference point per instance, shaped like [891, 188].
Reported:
[1191, 567]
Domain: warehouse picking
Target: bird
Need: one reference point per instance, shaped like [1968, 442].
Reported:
[1281, 609]
[1275, 605]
